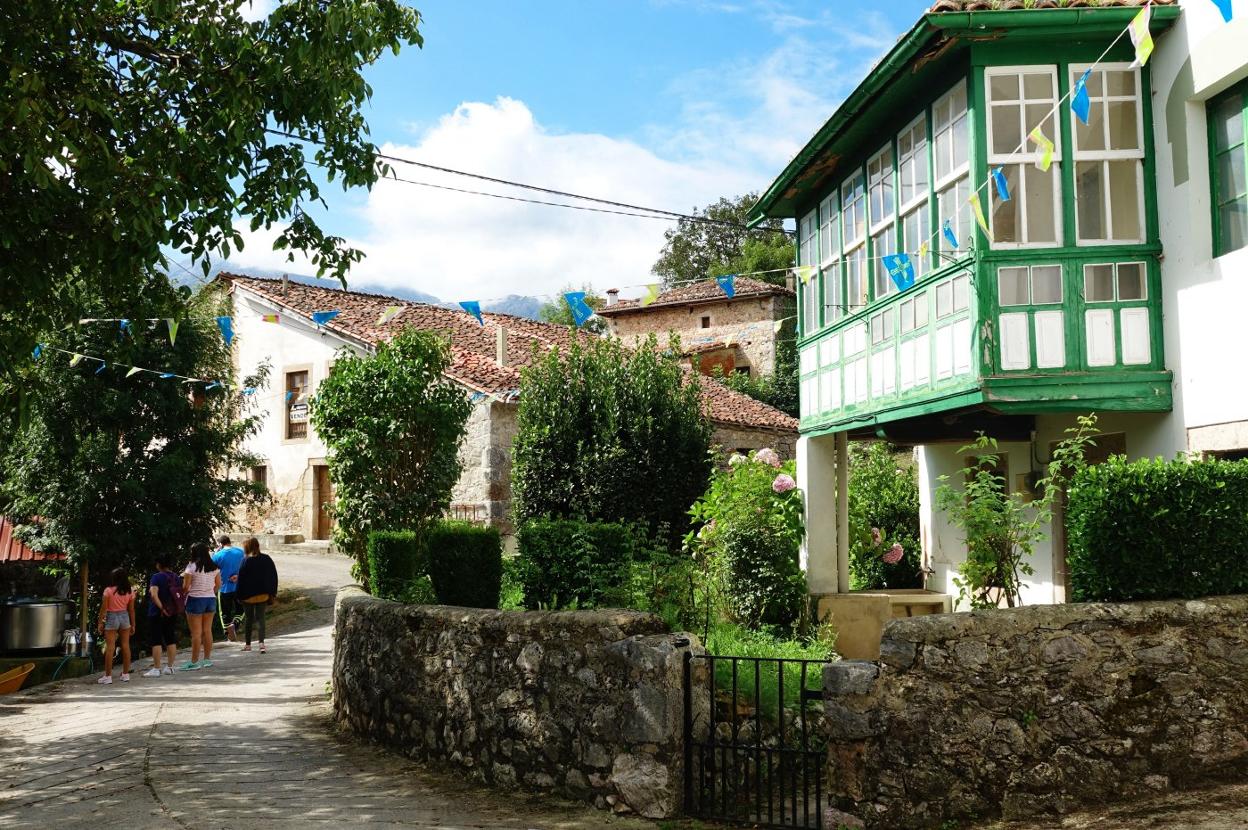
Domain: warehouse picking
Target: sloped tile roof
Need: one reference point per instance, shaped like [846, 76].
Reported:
[702, 348]
[707, 291]
[13, 549]
[1002, 5]
[473, 345]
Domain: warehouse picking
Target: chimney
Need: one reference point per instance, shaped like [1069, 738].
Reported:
[790, 282]
[500, 345]
[285, 284]
[613, 296]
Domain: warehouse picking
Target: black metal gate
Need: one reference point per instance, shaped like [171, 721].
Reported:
[755, 751]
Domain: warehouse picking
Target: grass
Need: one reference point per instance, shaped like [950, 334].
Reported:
[733, 640]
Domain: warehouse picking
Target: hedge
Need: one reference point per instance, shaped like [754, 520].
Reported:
[568, 563]
[465, 564]
[1151, 529]
[395, 560]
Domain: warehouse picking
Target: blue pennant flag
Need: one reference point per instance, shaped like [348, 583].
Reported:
[212, 385]
[1003, 187]
[580, 309]
[166, 375]
[474, 308]
[728, 283]
[250, 390]
[227, 329]
[1079, 103]
[103, 366]
[949, 234]
[900, 270]
[123, 326]
[323, 317]
[1224, 6]
[289, 395]
[38, 351]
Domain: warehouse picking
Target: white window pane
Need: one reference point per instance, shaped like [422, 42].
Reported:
[1136, 349]
[885, 243]
[962, 347]
[1098, 283]
[888, 362]
[860, 379]
[1012, 286]
[1046, 284]
[1040, 193]
[920, 310]
[1090, 200]
[856, 279]
[944, 352]
[905, 363]
[1038, 85]
[1120, 81]
[1233, 222]
[1099, 329]
[960, 290]
[806, 361]
[1131, 281]
[1124, 131]
[960, 140]
[880, 174]
[1007, 129]
[1124, 200]
[922, 360]
[877, 329]
[831, 385]
[944, 300]
[1003, 87]
[826, 381]
[1015, 342]
[1050, 339]
[832, 301]
[907, 316]
[1005, 218]
[1232, 175]
[1228, 123]
[827, 351]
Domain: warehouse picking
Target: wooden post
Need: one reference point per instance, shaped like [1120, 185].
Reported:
[86, 622]
[842, 512]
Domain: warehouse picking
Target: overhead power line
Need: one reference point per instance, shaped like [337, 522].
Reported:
[646, 212]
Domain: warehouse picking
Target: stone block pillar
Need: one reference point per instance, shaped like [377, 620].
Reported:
[816, 476]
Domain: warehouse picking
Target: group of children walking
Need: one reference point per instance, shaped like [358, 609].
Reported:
[239, 583]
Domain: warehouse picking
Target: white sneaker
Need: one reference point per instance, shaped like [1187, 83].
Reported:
[168, 669]
[104, 680]
[152, 672]
[125, 677]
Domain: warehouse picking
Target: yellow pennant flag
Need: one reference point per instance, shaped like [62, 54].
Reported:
[173, 330]
[805, 272]
[271, 318]
[389, 314]
[778, 325]
[652, 294]
[134, 370]
[923, 248]
[1140, 35]
[75, 360]
[979, 215]
[1046, 148]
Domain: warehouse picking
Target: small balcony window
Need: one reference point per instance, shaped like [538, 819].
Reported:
[1110, 281]
[1109, 157]
[950, 140]
[1029, 285]
[1020, 98]
[1228, 139]
[296, 405]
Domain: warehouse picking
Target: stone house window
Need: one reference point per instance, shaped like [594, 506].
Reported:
[706, 322]
[296, 404]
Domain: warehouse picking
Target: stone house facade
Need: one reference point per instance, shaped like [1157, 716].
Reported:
[273, 324]
[732, 334]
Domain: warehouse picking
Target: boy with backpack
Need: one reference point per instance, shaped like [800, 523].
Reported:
[165, 603]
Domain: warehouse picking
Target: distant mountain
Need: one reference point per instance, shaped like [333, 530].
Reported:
[180, 277]
[517, 305]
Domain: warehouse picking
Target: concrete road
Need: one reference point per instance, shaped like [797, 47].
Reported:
[245, 744]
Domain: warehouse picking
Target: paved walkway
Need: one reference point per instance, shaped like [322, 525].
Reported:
[245, 744]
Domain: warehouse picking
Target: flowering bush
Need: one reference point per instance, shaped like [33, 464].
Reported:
[884, 549]
[747, 530]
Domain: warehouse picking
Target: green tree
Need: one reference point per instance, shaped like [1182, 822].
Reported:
[779, 389]
[610, 434]
[135, 127]
[392, 424]
[557, 311]
[115, 467]
[695, 250]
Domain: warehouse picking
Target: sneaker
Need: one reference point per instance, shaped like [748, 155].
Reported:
[231, 633]
[205, 664]
[262, 648]
[104, 680]
[247, 647]
[168, 670]
[189, 667]
[125, 677]
[152, 672]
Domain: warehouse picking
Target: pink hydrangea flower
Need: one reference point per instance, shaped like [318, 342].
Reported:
[894, 554]
[783, 483]
[767, 456]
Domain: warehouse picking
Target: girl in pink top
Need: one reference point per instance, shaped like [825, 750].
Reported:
[117, 620]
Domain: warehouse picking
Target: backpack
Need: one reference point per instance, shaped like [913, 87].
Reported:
[176, 592]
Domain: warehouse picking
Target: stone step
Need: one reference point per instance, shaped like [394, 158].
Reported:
[315, 546]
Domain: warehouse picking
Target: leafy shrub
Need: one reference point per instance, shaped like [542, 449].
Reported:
[395, 560]
[883, 496]
[729, 639]
[607, 433]
[569, 563]
[1151, 529]
[749, 531]
[511, 592]
[465, 564]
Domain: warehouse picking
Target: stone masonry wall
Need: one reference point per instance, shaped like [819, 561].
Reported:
[730, 439]
[587, 704]
[1039, 710]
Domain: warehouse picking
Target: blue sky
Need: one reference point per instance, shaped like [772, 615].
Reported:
[669, 103]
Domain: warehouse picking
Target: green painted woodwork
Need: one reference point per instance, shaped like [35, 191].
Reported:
[1234, 99]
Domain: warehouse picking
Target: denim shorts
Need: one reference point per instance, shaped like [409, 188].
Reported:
[201, 605]
[116, 620]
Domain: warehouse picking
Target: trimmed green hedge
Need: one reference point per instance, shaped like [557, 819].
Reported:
[1151, 529]
[567, 563]
[465, 563]
[395, 559]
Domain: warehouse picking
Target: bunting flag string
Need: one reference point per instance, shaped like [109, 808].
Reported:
[1046, 149]
[580, 309]
[134, 370]
[102, 367]
[75, 360]
[978, 209]
[728, 284]
[1080, 104]
[389, 314]
[226, 325]
[1003, 187]
[37, 352]
[474, 308]
[1224, 6]
[947, 230]
[123, 326]
[173, 330]
[271, 318]
[652, 294]
[900, 270]
[323, 317]
[805, 272]
[1140, 36]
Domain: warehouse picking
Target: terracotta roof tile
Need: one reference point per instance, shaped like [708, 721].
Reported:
[473, 345]
[707, 291]
[702, 348]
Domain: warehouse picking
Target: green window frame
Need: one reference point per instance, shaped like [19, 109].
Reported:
[1227, 115]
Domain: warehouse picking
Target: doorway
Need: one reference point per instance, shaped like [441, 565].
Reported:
[1106, 445]
[322, 502]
